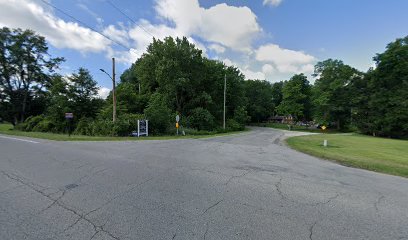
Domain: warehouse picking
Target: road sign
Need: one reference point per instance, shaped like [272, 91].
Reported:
[324, 127]
[69, 115]
[142, 128]
[177, 125]
[177, 118]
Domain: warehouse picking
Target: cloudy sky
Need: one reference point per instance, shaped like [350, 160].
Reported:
[266, 39]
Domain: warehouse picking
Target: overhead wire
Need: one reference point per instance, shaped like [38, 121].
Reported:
[87, 26]
[127, 16]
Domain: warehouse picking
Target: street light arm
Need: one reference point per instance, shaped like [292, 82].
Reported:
[106, 73]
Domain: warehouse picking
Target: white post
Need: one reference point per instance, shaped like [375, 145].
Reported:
[138, 128]
[225, 91]
[147, 128]
[325, 143]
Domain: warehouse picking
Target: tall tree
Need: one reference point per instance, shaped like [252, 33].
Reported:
[260, 100]
[186, 80]
[25, 66]
[296, 98]
[333, 92]
[277, 93]
[82, 93]
[383, 105]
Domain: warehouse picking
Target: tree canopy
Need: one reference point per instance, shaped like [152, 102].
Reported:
[173, 77]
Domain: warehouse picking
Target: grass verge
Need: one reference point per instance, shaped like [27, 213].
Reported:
[7, 129]
[293, 127]
[372, 153]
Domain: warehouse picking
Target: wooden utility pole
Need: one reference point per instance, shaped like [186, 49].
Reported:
[113, 90]
[225, 91]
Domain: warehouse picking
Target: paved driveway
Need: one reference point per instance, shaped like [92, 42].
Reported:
[247, 186]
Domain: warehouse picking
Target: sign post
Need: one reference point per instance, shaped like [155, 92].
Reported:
[177, 123]
[69, 117]
[142, 128]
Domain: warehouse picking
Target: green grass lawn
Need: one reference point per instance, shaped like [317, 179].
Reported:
[293, 128]
[8, 130]
[372, 153]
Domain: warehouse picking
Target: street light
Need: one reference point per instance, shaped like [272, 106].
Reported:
[113, 88]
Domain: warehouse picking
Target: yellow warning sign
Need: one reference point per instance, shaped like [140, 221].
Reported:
[177, 125]
[324, 127]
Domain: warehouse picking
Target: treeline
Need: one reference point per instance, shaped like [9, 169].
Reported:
[173, 77]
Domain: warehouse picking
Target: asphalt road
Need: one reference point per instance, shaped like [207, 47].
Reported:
[247, 186]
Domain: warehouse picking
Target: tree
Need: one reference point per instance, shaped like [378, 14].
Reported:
[76, 94]
[296, 98]
[382, 108]
[333, 92]
[25, 66]
[82, 92]
[186, 80]
[277, 93]
[260, 100]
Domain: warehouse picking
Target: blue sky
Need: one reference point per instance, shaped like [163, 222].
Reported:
[266, 39]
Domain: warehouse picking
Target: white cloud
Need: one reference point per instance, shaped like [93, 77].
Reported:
[118, 35]
[253, 75]
[103, 92]
[285, 60]
[268, 69]
[217, 48]
[272, 2]
[26, 14]
[231, 26]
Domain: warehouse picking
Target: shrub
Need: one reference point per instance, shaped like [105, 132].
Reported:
[233, 125]
[101, 128]
[241, 116]
[158, 114]
[44, 125]
[84, 127]
[201, 119]
[31, 122]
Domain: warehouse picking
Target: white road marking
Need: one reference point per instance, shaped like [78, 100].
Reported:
[18, 139]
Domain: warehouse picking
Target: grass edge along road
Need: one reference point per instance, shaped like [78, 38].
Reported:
[298, 128]
[383, 155]
[6, 129]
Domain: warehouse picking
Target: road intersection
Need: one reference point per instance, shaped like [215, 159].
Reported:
[246, 186]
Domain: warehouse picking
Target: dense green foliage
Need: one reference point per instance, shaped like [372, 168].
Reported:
[382, 96]
[333, 92]
[260, 101]
[296, 98]
[174, 78]
[25, 66]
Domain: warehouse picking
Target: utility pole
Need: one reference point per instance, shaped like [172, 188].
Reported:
[225, 91]
[113, 90]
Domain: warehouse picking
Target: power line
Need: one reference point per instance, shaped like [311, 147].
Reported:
[86, 25]
[133, 21]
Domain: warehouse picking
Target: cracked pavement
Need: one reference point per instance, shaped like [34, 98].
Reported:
[246, 186]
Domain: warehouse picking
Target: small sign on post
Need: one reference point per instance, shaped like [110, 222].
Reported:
[69, 117]
[143, 128]
[177, 123]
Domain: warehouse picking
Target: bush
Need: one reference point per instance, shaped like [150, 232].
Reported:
[101, 128]
[158, 114]
[191, 131]
[233, 125]
[84, 127]
[241, 116]
[45, 125]
[31, 122]
[201, 119]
